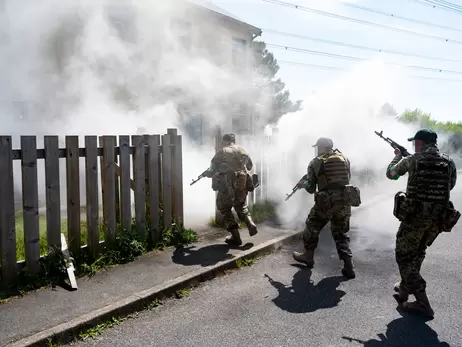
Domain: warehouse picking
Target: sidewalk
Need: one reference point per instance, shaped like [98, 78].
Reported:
[47, 308]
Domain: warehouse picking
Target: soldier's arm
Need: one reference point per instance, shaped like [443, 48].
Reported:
[214, 164]
[348, 168]
[249, 163]
[311, 179]
[453, 169]
[399, 166]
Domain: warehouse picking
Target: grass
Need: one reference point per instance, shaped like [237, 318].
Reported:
[260, 212]
[20, 251]
[129, 245]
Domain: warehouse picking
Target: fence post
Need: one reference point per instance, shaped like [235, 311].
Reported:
[116, 181]
[218, 217]
[7, 215]
[177, 177]
[91, 180]
[109, 200]
[53, 192]
[153, 187]
[167, 180]
[30, 203]
[73, 193]
[139, 162]
[125, 182]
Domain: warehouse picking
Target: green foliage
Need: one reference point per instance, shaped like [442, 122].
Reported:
[424, 120]
[266, 68]
[176, 236]
[263, 211]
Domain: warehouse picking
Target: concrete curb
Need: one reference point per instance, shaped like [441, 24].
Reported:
[65, 332]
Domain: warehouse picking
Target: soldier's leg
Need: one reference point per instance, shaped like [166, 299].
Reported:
[340, 226]
[315, 222]
[224, 205]
[242, 211]
[410, 240]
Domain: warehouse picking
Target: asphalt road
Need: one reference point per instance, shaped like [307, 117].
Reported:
[277, 303]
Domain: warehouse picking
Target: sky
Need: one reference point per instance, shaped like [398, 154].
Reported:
[437, 93]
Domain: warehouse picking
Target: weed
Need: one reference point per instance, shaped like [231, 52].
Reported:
[182, 293]
[243, 262]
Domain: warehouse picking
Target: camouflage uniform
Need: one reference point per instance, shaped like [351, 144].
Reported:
[330, 172]
[229, 170]
[431, 178]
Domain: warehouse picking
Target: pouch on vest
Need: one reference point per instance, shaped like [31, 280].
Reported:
[218, 182]
[354, 195]
[450, 218]
[252, 182]
[404, 208]
[322, 199]
[240, 181]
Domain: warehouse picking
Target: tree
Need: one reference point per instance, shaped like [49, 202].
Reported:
[388, 110]
[265, 68]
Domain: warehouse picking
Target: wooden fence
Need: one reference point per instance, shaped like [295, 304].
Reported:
[157, 184]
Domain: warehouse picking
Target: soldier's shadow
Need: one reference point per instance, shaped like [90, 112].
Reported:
[205, 256]
[409, 331]
[304, 296]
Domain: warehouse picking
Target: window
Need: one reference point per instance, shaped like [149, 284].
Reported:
[182, 31]
[239, 52]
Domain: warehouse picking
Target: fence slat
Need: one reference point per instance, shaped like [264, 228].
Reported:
[53, 192]
[91, 180]
[153, 142]
[125, 183]
[167, 181]
[178, 181]
[7, 216]
[109, 209]
[30, 203]
[116, 183]
[139, 178]
[73, 193]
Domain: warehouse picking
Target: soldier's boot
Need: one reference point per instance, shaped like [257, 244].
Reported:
[403, 293]
[234, 238]
[420, 306]
[348, 268]
[250, 226]
[306, 258]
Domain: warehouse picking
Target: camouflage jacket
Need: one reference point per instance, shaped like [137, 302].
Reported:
[231, 158]
[399, 166]
[312, 176]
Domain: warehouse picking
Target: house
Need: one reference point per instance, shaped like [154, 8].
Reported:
[227, 42]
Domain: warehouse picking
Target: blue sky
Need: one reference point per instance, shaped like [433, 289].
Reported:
[440, 97]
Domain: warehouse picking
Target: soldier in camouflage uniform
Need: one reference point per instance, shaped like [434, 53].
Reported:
[431, 178]
[330, 172]
[229, 170]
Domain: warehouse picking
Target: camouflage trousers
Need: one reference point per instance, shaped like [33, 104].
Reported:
[339, 216]
[225, 202]
[412, 241]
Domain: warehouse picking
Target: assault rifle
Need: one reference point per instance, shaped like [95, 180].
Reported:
[295, 188]
[201, 176]
[393, 144]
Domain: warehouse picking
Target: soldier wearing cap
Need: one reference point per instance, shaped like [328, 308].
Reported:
[229, 171]
[424, 211]
[330, 172]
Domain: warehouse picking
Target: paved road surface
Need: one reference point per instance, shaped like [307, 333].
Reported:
[276, 303]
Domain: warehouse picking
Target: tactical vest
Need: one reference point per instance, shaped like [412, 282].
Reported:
[430, 181]
[332, 171]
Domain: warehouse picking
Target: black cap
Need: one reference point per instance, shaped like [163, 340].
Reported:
[229, 137]
[324, 142]
[425, 135]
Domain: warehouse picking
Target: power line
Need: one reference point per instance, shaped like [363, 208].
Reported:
[348, 57]
[327, 67]
[337, 43]
[368, 9]
[359, 21]
[427, 3]
[445, 4]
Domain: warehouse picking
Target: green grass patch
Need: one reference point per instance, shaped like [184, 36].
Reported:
[244, 262]
[129, 245]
